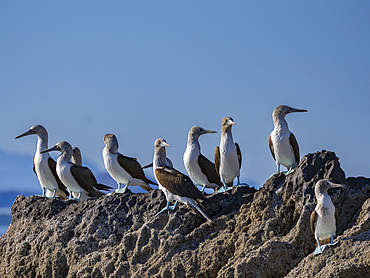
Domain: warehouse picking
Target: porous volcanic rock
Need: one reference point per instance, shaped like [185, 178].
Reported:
[264, 233]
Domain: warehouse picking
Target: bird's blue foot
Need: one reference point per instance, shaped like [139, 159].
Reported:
[120, 189]
[240, 184]
[167, 207]
[203, 188]
[173, 207]
[319, 249]
[291, 170]
[224, 189]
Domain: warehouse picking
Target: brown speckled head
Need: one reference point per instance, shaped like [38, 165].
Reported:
[111, 142]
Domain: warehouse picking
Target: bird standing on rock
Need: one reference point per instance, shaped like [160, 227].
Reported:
[44, 166]
[123, 169]
[79, 180]
[201, 171]
[282, 142]
[324, 217]
[228, 157]
[175, 185]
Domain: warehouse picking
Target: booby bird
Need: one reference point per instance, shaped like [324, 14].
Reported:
[228, 157]
[175, 185]
[79, 180]
[123, 169]
[282, 142]
[44, 166]
[76, 156]
[324, 217]
[201, 171]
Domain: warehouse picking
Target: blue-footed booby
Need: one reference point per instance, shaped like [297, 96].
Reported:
[282, 142]
[175, 185]
[123, 169]
[201, 171]
[228, 157]
[79, 180]
[44, 166]
[324, 217]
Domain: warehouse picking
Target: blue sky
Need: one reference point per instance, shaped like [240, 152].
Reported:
[150, 69]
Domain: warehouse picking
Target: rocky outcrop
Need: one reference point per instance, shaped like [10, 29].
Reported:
[262, 233]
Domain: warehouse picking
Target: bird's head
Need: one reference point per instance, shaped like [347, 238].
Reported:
[282, 110]
[111, 142]
[323, 185]
[160, 143]
[196, 131]
[36, 129]
[62, 146]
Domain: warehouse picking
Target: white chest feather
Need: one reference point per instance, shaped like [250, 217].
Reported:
[114, 169]
[325, 225]
[283, 150]
[44, 174]
[190, 158]
[229, 162]
[65, 175]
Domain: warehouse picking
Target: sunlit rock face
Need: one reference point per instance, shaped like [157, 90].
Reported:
[264, 233]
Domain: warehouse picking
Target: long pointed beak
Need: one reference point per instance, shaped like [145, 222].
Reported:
[166, 145]
[29, 132]
[337, 185]
[148, 166]
[297, 110]
[55, 148]
[209, 131]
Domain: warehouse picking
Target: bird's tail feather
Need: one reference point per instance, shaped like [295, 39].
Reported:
[145, 187]
[199, 211]
[100, 186]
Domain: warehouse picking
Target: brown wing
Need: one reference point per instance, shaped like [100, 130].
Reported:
[294, 144]
[85, 179]
[132, 167]
[177, 183]
[217, 160]
[239, 153]
[313, 221]
[34, 168]
[271, 146]
[53, 168]
[209, 169]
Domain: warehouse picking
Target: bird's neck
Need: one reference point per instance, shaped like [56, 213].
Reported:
[159, 158]
[226, 136]
[193, 143]
[42, 143]
[281, 125]
[64, 157]
[323, 197]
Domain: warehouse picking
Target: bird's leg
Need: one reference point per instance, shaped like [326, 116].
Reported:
[224, 188]
[70, 194]
[278, 170]
[121, 190]
[319, 248]
[291, 170]
[43, 192]
[165, 208]
[172, 207]
[241, 184]
[53, 196]
[204, 187]
[79, 197]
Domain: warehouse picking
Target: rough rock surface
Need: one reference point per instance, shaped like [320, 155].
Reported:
[263, 233]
